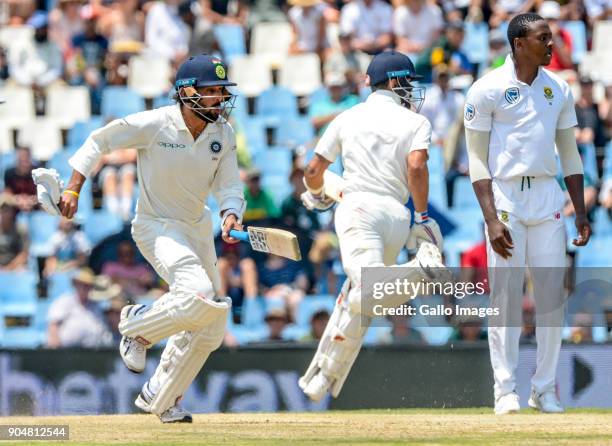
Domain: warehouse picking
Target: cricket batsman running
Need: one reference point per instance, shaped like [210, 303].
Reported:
[514, 116]
[185, 152]
[383, 143]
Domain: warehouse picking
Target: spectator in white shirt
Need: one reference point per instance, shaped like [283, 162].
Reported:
[416, 25]
[69, 248]
[166, 35]
[369, 22]
[307, 19]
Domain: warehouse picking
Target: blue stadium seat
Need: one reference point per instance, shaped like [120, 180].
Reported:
[60, 283]
[101, 224]
[254, 129]
[312, 304]
[476, 42]
[21, 338]
[118, 102]
[295, 131]
[276, 104]
[81, 130]
[274, 161]
[293, 332]
[435, 163]
[577, 30]
[437, 191]
[59, 162]
[603, 223]
[231, 40]
[18, 293]
[278, 185]
[163, 100]
[596, 253]
[464, 196]
[589, 160]
[241, 108]
[253, 313]
[318, 95]
[85, 203]
[41, 227]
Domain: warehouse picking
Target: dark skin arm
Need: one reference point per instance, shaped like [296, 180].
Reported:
[69, 203]
[499, 234]
[575, 188]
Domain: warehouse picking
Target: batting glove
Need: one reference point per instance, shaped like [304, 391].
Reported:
[425, 229]
[317, 203]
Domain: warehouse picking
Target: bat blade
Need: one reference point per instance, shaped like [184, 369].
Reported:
[275, 241]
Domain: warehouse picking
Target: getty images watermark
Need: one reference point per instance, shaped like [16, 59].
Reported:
[560, 296]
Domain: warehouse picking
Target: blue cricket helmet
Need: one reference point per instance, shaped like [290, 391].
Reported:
[389, 64]
[202, 70]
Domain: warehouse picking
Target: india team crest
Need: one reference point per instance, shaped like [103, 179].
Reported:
[512, 95]
[220, 71]
[548, 93]
[215, 146]
[470, 112]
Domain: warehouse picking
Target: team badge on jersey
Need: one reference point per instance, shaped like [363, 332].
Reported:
[512, 95]
[504, 217]
[215, 146]
[470, 112]
[548, 93]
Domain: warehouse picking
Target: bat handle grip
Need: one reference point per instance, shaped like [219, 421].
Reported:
[240, 235]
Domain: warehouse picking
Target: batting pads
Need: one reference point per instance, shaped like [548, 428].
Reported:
[191, 312]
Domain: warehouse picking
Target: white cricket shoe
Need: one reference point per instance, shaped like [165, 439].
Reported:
[430, 261]
[175, 414]
[508, 403]
[318, 387]
[133, 352]
[546, 402]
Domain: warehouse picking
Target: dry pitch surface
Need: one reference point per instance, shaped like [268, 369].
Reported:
[413, 426]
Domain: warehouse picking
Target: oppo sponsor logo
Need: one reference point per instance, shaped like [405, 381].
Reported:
[171, 145]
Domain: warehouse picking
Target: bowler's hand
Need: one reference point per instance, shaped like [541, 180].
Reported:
[584, 231]
[68, 204]
[231, 222]
[500, 238]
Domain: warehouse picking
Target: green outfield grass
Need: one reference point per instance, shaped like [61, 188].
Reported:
[413, 426]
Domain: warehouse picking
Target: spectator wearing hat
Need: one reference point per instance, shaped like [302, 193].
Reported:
[318, 322]
[339, 99]
[307, 20]
[417, 24]
[14, 241]
[260, 204]
[276, 320]
[69, 248]
[561, 59]
[447, 51]
[75, 320]
[369, 24]
[468, 328]
[109, 296]
[37, 64]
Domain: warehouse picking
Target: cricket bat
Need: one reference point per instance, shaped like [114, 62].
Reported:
[270, 240]
[333, 185]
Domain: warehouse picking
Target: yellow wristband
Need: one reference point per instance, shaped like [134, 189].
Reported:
[71, 192]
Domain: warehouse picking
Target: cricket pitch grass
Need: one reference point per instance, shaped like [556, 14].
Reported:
[407, 426]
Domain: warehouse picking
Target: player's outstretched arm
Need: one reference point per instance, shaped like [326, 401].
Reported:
[69, 200]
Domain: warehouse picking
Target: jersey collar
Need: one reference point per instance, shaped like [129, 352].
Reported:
[510, 68]
[179, 122]
[384, 96]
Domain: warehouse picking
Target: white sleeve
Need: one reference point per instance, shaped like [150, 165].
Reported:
[478, 111]
[567, 118]
[132, 132]
[329, 143]
[422, 137]
[227, 187]
[58, 311]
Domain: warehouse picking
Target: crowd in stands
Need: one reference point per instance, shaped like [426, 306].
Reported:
[69, 66]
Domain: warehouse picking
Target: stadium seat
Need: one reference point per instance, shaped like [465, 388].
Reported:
[320, 94]
[100, 224]
[589, 160]
[435, 163]
[231, 41]
[476, 42]
[18, 293]
[19, 107]
[149, 76]
[59, 162]
[252, 73]
[464, 197]
[41, 227]
[163, 100]
[241, 107]
[81, 130]
[60, 283]
[274, 161]
[603, 223]
[301, 74]
[276, 104]
[271, 38]
[254, 130]
[68, 105]
[118, 102]
[6, 138]
[295, 131]
[253, 313]
[596, 253]
[602, 44]
[577, 30]
[42, 135]
[21, 338]
[278, 185]
[312, 304]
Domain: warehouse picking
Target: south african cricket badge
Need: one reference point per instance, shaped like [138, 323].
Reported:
[504, 217]
[548, 94]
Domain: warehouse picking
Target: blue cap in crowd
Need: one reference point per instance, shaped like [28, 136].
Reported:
[202, 71]
[38, 20]
[390, 64]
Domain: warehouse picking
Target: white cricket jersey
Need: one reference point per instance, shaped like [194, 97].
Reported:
[175, 174]
[373, 139]
[522, 120]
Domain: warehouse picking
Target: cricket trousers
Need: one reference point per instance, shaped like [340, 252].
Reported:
[531, 208]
